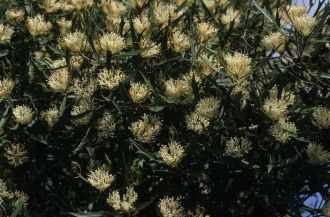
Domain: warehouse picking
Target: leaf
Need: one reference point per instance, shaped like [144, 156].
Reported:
[157, 108]
[145, 204]
[320, 24]
[212, 66]
[91, 154]
[63, 104]
[173, 99]
[123, 112]
[57, 51]
[18, 208]
[149, 85]
[3, 119]
[320, 74]
[192, 47]
[296, 136]
[207, 11]
[82, 143]
[181, 6]
[133, 52]
[272, 161]
[194, 86]
[141, 150]
[10, 102]
[265, 60]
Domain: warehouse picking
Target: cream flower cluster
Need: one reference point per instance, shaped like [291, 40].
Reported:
[230, 15]
[21, 198]
[140, 3]
[195, 122]
[206, 31]
[151, 52]
[100, 178]
[37, 25]
[77, 42]
[85, 88]
[82, 106]
[109, 79]
[105, 127]
[17, 16]
[164, 12]
[139, 92]
[208, 107]
[82, 4]
[116, 8]
[5, 34]
[16, 155]
[52, 116]
[60, 77]
[237, 147]
[64, 25]
[112, 42]
[274, 40]
[23, 114]
[113, 24]
[176, 153]
[276, 108]
[277, 130]
[321, 116]
[3, 190]
[238, 65]
[146, 129]
[206, 69]
[170, 207]
[127, 204]
[316, 155]
[52, 6]
[6, 86]
[180, 42]
[141, 24]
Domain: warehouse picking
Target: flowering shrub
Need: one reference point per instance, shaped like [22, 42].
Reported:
[163, 108]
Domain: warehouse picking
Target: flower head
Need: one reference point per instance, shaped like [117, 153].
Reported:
[321, 116]
[16, 155]
[170, 207]
[66, 7]
[230, 15]
[5, 34]
[305, 24]
[141, 24]
[294, 11]
[23, 114]
[82, 4]
[208, 107]
[52, 6]
[116, 8]
[100, 178]
[206, 69]
[180, 42]
[139, 92]
[278, 132]
[64, 25]
[16, 14]
[276, 108]
[176, 153]
[146, 129]
[316, 155]
[237, 147]
[113, 24]
[140, 3]
[52, 116]
[274, 40]
[195, 122]
[151, 52]
[206, 31]
[82, 106]
[109, 79]
[238, 65]
[6, 86]
[127, 204]
[85, 88]
[21, 198]
[77, 42]
[105, 127]
[112, 42]
[3, 190]
[164, 12]
[37, 25]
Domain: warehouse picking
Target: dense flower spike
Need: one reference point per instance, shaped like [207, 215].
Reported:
[64, 25]
[273, 41]
[305, 24]
[109, 79]
[105, 127]
[37, 25]
[5, 34]
[21, 198]
[277, 130]
[208, 107]
[52, 116]
[116, 8]
[17, 16]
[321, 116]
[206, 31]
[52, 6]
[60, 77]
[77, 42]
[180, 42]
[82, 4]
[237, 147]
[176, 153]
[112, 42]
[142, 24]
[16, 155]
[23, 114]
[151, 52]
[127, 204]
[100, 178]
[163, 13]
[139, 92]
[170, 207]
[238, 65]
[195, 122]
[316, 155]
[146, 129]
[85, 88]
[292, 12]
[276, 108]
[230, 15]
[6, 86]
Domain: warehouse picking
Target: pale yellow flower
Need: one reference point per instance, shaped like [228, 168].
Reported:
[126, 204]
[113, 24]
[195, 122]
[64, 25]
[77, 42]
[21, 198]
[52, 116]
[180, 42]
[237, 147]
[146, 129]
[238, 65]
[305, 24]
[116, 8]
[172, 153]
[140, 3]
[277, 130]
[100, 178]
[16, 14]
[82, 106]
[112, 42]
[6, 87]
[141, 24]
[85, 88]
[3, 189]
[139, 92]
[5, 34]
[16, 155]
[82, 4]
[230, 15]
[52, 6]
[321, 116]
[151, 52]
[170, 207]
[274, 40]
[208, 107]
[105, 127]
[37, 25]
[206, 69]
[23, 114]
[109, 79]
[164, 12]
[206, 31]
[316, 155]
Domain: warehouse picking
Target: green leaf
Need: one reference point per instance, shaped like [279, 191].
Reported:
[141, 150]
[212, 66]
[10, 102]
[63, 104]
[321, 74]
[272, 161]
[133, 52]
[57, 51]
[181, 6]
[18, 208]
[149, 85]
[91, 154]
[82, 143]
[145, 204]
[294, 135]
[207, 11]
[192, 48]
[123, 112]
[157, 108]
[3, 119]
[265, 60]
